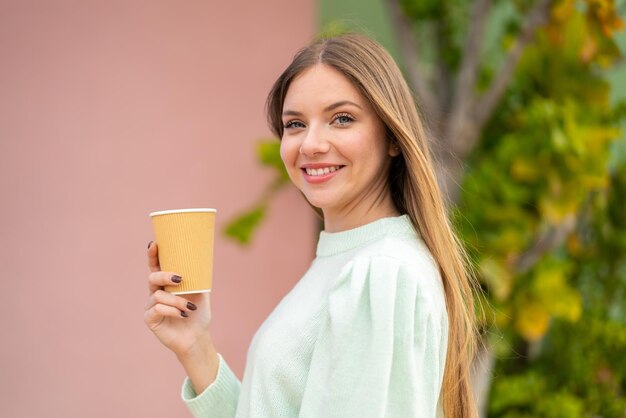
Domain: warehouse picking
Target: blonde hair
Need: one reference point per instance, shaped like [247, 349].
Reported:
[412, 183]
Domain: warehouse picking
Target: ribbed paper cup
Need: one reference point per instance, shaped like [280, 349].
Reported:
[185, 244]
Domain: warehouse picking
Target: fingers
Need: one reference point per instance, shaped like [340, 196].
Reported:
[158, 312]
[153, 256]
[161, 297]
[163, 305]
[158, 279]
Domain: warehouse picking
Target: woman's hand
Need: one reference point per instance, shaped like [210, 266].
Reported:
[181, 324]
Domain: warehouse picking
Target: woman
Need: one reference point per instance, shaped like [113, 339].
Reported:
[382, 322]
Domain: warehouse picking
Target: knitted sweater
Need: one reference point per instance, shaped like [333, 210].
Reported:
[362, 334]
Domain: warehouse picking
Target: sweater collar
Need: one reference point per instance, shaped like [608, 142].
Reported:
[331, 243]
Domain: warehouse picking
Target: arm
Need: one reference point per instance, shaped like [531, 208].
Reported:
[219, 399]
[182, 325]
[201, 364]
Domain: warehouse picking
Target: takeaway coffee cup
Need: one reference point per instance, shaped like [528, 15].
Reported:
[185, 244]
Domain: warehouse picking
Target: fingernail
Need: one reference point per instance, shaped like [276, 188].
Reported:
[177, 279]
[149, 244]
[183, 314]
[191, 306]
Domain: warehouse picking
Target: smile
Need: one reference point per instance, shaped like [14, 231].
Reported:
[320, 175]
[322, 171]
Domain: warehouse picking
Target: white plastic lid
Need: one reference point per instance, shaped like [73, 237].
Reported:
[167, 212]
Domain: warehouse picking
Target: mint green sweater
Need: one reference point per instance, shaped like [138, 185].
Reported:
[362, 334]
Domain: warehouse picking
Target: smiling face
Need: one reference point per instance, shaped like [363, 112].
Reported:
[335, 150]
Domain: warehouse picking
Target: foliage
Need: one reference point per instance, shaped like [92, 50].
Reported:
[541, 170]
[541, 207]
[242, 227]
[580, 370]
[541, 157]
[268, 152]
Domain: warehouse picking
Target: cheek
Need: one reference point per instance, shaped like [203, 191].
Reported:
[365, 148]
[287, 154]
[374, 157]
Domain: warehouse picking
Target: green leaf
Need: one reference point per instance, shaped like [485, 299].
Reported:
[268, 151]
[516, 391]
[332, 29]
[497, 277]
[243, 226]
[421, 9]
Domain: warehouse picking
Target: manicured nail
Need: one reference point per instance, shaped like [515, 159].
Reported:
[191, 306]
[183, 314]
[149, 244]
[177, 279]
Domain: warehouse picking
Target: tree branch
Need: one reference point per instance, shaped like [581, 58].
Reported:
[466, 77]
[545, 243]
[482, 374]
[444, 74]
[408, 46]
[537, 16]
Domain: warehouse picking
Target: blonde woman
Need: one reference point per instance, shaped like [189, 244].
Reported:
[382, 324]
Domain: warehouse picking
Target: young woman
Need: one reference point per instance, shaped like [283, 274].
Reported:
[382, 323]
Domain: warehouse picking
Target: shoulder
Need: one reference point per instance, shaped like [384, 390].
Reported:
[401, 262]
[407, 254]
[396, 281]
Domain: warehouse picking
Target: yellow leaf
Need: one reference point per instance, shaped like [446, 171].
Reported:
[553, 209]
[562, 10]
[552, 292]
[574, 245]
[503, 316]
[497, 277]
[594, 182]
[560, 205]
[523, 170]
[532, 322]
[568, 306]
[588, 50]
[548, 280]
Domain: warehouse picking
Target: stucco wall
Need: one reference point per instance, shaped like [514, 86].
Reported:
[108, 111]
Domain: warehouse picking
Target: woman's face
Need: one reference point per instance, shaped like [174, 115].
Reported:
[333, 144]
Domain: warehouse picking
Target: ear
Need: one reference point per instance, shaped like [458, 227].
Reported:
[393, 149]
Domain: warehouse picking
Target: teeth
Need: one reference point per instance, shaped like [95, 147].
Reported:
[321, 171]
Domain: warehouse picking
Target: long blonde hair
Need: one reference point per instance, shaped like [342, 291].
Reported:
[412, 183]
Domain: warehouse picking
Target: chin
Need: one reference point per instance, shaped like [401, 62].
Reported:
[320, 202]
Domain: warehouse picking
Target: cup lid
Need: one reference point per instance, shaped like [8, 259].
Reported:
[167, 212]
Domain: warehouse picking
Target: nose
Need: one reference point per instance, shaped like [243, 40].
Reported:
[314, 142]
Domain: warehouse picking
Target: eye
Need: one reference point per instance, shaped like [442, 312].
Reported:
[343, 119]
[293, 124]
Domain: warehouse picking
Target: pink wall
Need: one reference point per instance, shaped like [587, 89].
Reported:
[108, 111]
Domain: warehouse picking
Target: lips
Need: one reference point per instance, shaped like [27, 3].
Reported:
[320, 173]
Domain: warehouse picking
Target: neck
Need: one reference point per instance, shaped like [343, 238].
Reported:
[343, 219]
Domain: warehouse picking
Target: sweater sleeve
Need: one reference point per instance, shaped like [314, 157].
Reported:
[381, 349]
[218, 400]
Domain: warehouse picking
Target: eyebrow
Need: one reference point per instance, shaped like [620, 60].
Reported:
[326, 109]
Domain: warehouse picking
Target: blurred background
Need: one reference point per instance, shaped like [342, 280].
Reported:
[111, 110]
